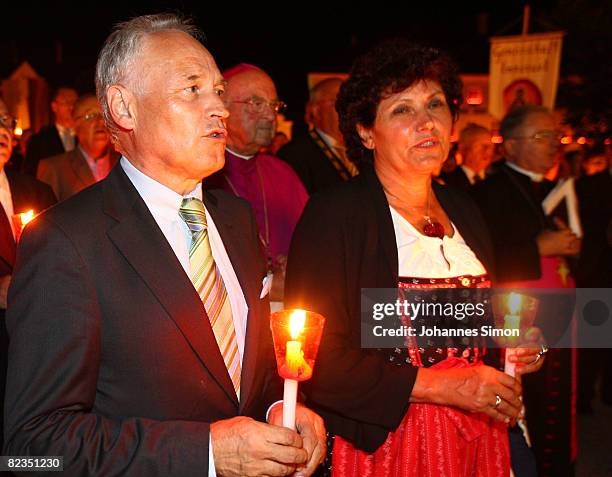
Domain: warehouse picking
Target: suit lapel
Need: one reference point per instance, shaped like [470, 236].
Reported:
[23, 196]
[139, 239]
[54, 137]
[464, 178]
[8, 247]
[81, 168]
[235, 239]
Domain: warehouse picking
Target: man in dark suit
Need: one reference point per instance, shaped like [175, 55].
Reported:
[318, 155]
[55, 138]
[90, 161]
[530, 251]
[511, 199]
[476, 150]
[117, 359]
[18, 194]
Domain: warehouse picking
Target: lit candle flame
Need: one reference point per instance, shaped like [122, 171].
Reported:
[514, 303]
[26, 217]
[296, 323]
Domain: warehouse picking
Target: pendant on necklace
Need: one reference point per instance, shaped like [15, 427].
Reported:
[433, 228]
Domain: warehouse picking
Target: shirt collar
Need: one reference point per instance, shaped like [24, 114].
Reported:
[241, 156]
[471, 175]
[90, 161]
[157, 196]
[534, 176]
[64, 130]
[327, 139]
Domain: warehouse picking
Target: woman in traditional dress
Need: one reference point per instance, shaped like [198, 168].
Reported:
[425, 410]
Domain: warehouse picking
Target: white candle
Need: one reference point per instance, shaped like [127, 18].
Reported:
[510, 367]
[289, 403]
[293, 359]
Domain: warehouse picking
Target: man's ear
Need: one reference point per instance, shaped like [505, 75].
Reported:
[121, 106]
[366, 136]
[461, 148]
[310, 115]
[509, 148]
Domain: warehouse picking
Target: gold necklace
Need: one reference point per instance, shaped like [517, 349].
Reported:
[432, 227]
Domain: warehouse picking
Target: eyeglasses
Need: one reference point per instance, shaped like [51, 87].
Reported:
[91, 116]
[542, 136]
[8, 122]
[258, 105]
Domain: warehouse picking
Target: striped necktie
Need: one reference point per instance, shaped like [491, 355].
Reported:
[208, 282]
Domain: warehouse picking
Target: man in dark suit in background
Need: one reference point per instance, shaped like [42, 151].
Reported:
[90, 161]
[530, 252]
[476, 150]
[318, 155]
[140, 336]
[55, 138]
[18, 193]
[511, 199]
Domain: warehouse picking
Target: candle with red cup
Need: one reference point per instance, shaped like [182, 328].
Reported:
[296, 335]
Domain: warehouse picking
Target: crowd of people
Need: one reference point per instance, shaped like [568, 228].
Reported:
[171, 217]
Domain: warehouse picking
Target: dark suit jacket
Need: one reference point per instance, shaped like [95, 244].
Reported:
[595, 201]
[27, 194]
[457, 179]
[344, 242]
[67, 173]
[515, 217]
[45, 143]
[113, 362]
[310, 163]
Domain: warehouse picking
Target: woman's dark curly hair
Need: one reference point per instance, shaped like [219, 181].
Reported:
[388, 68]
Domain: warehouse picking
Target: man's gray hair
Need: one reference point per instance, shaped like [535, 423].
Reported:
[120, 49]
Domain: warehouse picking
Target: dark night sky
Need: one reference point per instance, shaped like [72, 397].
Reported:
[287, 41]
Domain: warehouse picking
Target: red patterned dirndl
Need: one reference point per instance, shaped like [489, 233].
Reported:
[433, 440]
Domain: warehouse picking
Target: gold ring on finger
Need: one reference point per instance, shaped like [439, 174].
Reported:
[498, 401]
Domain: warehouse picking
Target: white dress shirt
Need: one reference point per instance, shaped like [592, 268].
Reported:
[6, 199]
[67, 136]
[164, 204]
[330, 141]
[471, 175]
